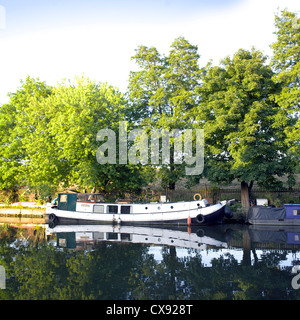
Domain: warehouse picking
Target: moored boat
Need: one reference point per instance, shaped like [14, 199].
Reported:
[287, 215]
[91, 207]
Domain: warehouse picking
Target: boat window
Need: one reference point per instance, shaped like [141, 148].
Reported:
[126, 236]
[112, 236]
[296, 212]
[81, 197]
[98, 209]
[90, 197]
[86, 197]
[99, 236]
[63, 198]
[112, 209]
[62, 242]
[99, 198]
[125, 209]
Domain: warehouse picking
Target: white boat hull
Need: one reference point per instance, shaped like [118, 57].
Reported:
[179, 213]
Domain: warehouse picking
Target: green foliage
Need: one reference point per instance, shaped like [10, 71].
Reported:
[286, 63]
[49, 138]
[63, 147]
[15, 125]
[238, 113]
[249, 111]
[163, 93]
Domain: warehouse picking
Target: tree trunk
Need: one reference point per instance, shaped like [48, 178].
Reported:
[172, 169]
[245, 196]
[172, 185]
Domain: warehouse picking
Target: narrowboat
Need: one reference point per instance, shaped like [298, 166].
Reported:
[91, 207]
[287, 215]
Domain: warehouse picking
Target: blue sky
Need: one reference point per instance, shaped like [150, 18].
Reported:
[55, 39]
[33, 14]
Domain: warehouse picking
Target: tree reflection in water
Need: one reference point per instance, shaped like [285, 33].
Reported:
[112, 270]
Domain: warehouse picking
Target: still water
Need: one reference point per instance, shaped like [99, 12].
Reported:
[129, 263]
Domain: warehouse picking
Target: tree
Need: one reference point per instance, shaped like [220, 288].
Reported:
[63, 147]
[10, 150]
[49, 138]
[286, 63]
[162, 94]
[238, 112]
[15, 126]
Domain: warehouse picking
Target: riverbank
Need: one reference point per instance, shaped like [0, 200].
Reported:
[29, 213]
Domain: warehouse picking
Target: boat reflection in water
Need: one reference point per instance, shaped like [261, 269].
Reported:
[204, 237]
[172, 263]
[76, 236]
[289, 235]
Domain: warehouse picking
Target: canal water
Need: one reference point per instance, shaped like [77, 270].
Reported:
[225, 262]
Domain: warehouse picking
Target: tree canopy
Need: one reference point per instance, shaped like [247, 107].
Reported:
[248, 108]
[286, 63]
[238, 112]
[49, 137]
[163, 94]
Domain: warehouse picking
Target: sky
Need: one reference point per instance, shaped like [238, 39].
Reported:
[60, 39]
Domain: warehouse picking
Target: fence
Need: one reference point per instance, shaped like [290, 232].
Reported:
[274, 196]
[216, 194]
[213, 195]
